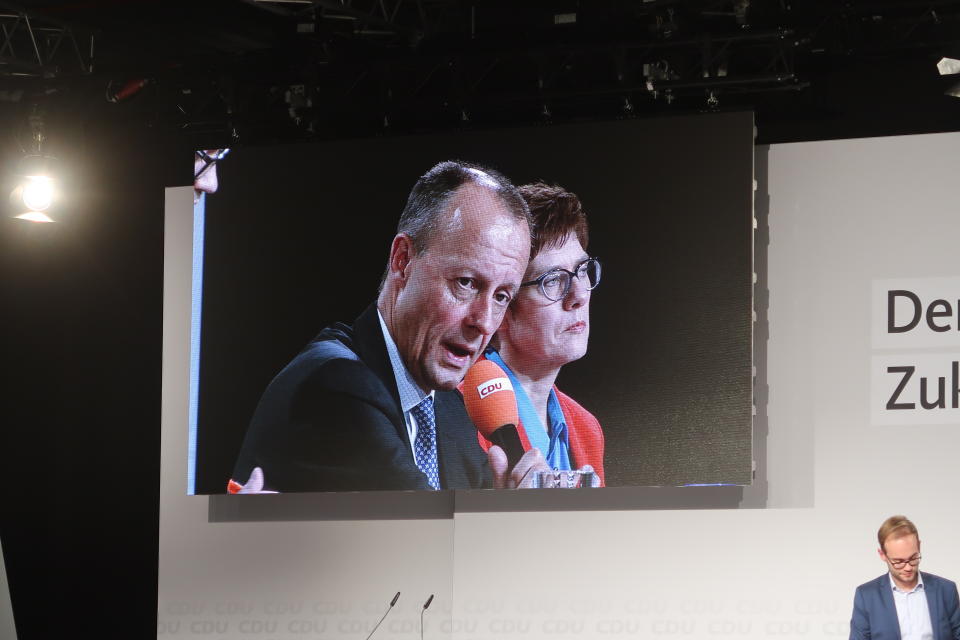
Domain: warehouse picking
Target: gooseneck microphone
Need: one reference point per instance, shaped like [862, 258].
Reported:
[383, 617]
[492, 405]
[425, 605]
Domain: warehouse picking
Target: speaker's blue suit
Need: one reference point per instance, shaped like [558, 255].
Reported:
[875, 614]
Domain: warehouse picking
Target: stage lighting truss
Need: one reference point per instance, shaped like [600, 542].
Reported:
[557, 79]
[34, 45]
[390, 21]
[562, 70]
[412, 65]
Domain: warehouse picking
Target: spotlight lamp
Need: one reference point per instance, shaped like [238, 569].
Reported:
[34, 195]
[948, 66]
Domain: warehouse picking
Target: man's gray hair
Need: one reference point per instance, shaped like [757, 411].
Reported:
[430, 196]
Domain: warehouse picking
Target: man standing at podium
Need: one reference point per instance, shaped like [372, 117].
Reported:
[904, 603]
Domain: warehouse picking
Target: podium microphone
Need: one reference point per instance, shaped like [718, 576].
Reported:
[389, 609]
[492, 406]
[425, 606]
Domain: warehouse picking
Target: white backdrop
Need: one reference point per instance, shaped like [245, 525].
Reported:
[780, 558]
[7, 629]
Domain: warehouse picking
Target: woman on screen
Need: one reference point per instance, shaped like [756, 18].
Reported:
[548, 326]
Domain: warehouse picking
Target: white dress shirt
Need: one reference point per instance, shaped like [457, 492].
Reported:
[913, 614]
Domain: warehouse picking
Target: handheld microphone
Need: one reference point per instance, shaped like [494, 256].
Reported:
[382, 618]
[425, 605]
[492, 406]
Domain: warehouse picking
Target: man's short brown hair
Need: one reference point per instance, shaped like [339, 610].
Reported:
[556, 214]
[897, 527]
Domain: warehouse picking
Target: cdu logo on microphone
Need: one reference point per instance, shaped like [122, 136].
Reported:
[493, 385]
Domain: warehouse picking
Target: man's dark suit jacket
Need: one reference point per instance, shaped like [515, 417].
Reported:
[875, 614]
[331, 421]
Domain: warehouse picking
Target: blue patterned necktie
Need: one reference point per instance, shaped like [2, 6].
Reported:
[425, 444]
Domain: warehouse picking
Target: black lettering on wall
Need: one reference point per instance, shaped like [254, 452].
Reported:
[941, 401]
[956, 384]
[908, 373]
[891, 306]
[933, 313]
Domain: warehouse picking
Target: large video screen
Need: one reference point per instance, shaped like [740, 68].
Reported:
[334, 352]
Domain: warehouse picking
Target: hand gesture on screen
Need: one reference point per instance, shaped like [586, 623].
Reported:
[253, 485]
[588, 468]
[522, 476]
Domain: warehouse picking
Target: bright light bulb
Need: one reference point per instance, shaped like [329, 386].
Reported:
[38, 193]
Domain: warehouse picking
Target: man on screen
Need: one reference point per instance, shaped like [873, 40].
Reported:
[904, 603]
[374, 405]
[205, 171]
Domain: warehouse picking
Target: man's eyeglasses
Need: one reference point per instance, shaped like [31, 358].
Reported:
[555, 284]
[209, 159]
[899, 564]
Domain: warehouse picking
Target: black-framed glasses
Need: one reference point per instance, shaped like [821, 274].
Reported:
[555, 284]
[209, 159]
[899, 564]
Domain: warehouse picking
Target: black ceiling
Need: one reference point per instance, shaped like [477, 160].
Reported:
[267, 71]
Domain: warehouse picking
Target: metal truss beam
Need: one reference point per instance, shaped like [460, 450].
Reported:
[370, 18]
[32, 45]
[741, 63]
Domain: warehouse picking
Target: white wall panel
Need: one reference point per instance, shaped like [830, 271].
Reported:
[7, 629]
